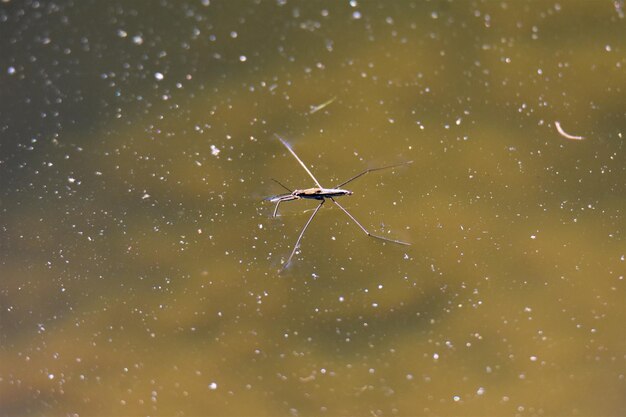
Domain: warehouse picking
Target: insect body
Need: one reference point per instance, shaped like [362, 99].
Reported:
[321, 194]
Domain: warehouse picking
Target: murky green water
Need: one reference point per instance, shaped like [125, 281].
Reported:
[139, 263]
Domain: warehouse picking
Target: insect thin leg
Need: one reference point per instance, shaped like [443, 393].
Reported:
[299, 160]
[295, 247]
[367, 171]
[399, 242]
[276, 208]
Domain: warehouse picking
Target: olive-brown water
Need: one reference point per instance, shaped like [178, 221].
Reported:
[139, 263]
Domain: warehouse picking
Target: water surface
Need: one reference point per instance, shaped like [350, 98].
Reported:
[140, 264]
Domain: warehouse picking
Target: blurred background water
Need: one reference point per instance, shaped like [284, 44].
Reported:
[139, 262]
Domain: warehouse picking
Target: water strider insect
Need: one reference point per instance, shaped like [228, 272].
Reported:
[320, 193]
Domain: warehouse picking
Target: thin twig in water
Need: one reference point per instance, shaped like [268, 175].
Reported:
[566, 135]
[315, 109]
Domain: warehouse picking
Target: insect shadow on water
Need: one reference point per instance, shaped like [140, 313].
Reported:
[320, 193]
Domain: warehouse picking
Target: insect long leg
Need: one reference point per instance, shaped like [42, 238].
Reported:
[399, 242]
[299, 160]
[295, 247]
[370, 170]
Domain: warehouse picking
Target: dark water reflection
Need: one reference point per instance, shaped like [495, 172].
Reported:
[139, 262]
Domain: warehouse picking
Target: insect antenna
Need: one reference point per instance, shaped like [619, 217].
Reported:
[281, 184]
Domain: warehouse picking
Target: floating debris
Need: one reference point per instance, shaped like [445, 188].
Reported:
[315, 109]
[619, 8]
[566, 135]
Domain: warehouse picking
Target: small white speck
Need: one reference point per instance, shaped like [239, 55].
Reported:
[480, 391]
[11, 70]
[214, 150]
[51, 376]
[456, 398]
[71, 180]
[243, 58]
[159, 76]
[137, 40]
[213, 386]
